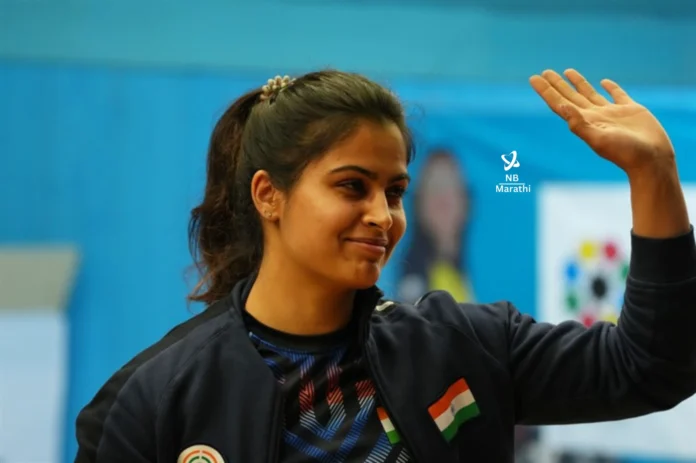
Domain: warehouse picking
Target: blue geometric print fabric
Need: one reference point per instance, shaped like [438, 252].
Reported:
[330, 406]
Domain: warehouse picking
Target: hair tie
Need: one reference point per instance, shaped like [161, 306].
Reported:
[274, 86]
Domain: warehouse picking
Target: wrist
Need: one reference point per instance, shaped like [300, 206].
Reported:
[654, 173]
[657, 201]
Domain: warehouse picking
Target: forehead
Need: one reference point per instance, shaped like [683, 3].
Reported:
[379, 147]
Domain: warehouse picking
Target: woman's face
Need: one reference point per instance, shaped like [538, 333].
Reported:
[444, 204]
[345, 215]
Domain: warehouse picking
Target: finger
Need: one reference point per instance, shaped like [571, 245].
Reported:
[549, 94]
[565, 89]
[616, 92]
[585, 88]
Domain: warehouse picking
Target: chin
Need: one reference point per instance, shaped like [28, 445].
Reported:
[366, 275]
[353, 275]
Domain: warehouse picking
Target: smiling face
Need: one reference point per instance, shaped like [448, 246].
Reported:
[344, 216]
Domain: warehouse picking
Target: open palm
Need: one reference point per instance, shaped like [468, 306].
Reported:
[623, 132]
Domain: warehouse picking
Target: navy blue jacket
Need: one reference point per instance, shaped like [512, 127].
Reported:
[204, 382]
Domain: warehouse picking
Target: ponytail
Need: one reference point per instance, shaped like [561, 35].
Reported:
[225, 237]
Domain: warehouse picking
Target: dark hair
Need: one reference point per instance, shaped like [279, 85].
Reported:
[280, 135]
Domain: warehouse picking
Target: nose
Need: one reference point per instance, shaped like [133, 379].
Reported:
[378, 213]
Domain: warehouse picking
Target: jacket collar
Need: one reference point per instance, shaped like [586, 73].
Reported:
[365, 302]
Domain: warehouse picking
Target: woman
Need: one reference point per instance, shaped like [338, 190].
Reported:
[434, 258]
[298, 358]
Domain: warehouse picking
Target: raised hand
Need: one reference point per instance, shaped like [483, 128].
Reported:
[622, 131]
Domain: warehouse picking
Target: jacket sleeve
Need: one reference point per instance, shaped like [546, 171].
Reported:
[567, 373]
[117, 425]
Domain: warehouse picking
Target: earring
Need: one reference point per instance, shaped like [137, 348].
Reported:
[268, 214]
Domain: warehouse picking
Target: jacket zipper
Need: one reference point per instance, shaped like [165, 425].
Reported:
[385, 402]
[277, 433]
[363, 340]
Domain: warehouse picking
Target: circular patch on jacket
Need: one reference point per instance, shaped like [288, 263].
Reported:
[200, 454]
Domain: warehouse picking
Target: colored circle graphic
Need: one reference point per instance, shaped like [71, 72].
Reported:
[594, 282]
[200, 454]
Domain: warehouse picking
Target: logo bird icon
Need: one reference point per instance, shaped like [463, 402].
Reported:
[512, 163]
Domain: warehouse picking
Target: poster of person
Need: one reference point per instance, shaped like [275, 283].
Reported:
[436, 254]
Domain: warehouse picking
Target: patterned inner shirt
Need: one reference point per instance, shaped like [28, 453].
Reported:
[330, 403]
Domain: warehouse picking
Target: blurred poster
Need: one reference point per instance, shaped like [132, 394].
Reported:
[584, 251]
[435, 258]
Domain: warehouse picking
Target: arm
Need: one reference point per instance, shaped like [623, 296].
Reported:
[116, 426]
[647, 363]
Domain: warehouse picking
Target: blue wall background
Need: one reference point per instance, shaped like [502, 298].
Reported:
[113, 160]
[106, 108]
[639, 41]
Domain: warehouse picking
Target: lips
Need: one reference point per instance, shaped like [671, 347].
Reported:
[380, 242]
[373, 248]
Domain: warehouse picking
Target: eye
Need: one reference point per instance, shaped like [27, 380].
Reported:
[353, 186]
[397, 191]
[395, 194]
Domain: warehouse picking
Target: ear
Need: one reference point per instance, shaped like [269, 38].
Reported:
[265, 196]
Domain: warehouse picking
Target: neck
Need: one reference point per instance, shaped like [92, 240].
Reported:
[294, 302]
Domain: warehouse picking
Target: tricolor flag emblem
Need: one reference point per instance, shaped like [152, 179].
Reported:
[454, 408]
[392, 435]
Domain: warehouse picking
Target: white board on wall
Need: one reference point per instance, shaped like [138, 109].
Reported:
[35, 285]
[583, 249]
[33, 365]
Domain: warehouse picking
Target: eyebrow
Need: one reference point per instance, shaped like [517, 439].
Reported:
[369, 174]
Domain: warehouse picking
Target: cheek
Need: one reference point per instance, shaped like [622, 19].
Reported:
[317, 223]
[398, 228]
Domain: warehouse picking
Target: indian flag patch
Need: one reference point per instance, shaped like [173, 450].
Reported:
[454, 408]
[392, 435]
[200, 454]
